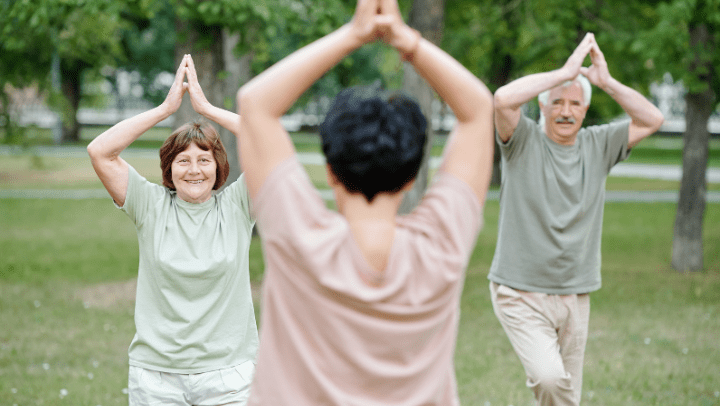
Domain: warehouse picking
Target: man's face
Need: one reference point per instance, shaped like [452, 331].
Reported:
[564, 113]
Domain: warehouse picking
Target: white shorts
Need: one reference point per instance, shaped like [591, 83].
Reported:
[229, 386]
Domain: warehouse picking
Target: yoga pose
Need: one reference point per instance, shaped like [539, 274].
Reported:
[552, 194]
[196, 338]
[360, 305]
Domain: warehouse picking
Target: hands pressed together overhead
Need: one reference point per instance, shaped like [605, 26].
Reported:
[174, 98]
[597, 73]
[381, 19]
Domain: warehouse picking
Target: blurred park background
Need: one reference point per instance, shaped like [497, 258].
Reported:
[69, 69]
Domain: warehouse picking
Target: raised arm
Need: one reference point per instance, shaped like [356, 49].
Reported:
[645, 118]
[264, 143]
[510, 98]
[226, 119]
[105, 149]
[469, 151]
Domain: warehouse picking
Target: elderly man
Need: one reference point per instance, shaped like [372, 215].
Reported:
[547, 257]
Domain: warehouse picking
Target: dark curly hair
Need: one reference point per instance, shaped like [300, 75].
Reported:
[371, 143]
[206, 138]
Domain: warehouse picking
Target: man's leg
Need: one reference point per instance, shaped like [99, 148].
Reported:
[573, 338]
[530, 322]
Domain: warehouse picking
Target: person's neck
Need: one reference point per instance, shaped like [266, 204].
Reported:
[561, 140]
[372, 224]
[356, 208]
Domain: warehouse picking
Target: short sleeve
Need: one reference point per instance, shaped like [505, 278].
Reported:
[141, 196]
[288, 204]
[449, 218]
[612, 142]
[237, 193]
[518, 140]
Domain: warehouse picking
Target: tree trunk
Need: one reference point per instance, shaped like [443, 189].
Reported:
[205, 45]
[501, 69]
[426, 16]
[220, 74]
[71, 89]
[687, 251]
[238, 73]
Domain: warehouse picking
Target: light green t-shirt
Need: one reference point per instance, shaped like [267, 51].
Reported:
[194, 310]
[551, 208]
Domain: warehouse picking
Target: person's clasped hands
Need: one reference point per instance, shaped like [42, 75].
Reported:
[381, 20]
[179, 87]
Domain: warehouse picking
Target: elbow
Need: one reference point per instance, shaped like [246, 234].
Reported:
[239, 99]
[92, 149]
[655, 121]
[246, 99]
[476, 105]
[504, 102]
[659, 120]
[500, 99]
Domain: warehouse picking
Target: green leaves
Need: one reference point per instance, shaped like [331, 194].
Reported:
[685, 43]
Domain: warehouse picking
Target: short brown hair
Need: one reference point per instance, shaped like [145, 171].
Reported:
[206, 138]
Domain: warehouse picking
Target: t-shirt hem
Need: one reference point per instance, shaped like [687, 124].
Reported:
[573, 290]
[171, 370]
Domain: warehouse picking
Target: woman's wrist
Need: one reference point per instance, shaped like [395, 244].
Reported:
[165, 110]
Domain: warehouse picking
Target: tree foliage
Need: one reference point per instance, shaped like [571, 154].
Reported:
[83, 34]
[669, 49]
[685, 43]
[501, 41]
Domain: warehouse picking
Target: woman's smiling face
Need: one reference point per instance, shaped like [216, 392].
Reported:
[193, 174]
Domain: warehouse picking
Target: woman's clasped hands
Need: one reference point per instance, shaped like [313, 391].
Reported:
[179, 87]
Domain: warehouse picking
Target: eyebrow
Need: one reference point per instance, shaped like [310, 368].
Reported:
[201, 155]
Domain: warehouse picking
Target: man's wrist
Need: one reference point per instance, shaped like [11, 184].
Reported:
[608, 87]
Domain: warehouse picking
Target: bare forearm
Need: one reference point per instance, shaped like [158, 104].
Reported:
[117, 138]
[224, 118]
[459, 88]
[522, 90]
[642, 112]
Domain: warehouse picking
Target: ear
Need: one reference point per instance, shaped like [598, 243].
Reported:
[332, 179]
[408, 186]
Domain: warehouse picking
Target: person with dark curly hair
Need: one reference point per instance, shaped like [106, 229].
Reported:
[361, 305]
[196, 338]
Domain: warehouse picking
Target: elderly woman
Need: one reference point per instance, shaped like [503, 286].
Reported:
[361, 306]
[196, 336]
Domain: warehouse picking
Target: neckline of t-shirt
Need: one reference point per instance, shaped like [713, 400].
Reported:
[372, 277]
[194, 206]
[563, 148]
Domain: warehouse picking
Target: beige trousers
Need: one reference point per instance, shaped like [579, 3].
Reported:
[226, 387]
[548, 333]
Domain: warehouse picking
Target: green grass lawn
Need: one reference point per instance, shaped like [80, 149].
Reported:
[66, 304]
[67, 294]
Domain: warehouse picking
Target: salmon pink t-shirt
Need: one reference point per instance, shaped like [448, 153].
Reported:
[334, 331]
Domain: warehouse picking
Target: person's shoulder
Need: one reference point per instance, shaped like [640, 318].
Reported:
[136, 181]
[605, 127]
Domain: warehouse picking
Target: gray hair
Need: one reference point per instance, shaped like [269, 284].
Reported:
[586, 89]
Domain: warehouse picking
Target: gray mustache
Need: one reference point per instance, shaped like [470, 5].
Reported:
[562, 120]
